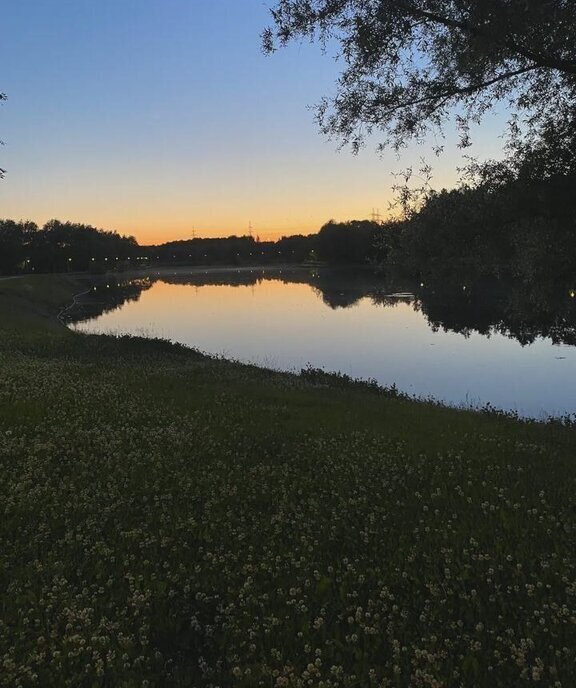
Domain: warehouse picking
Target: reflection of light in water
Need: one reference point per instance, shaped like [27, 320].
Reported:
[282, 324]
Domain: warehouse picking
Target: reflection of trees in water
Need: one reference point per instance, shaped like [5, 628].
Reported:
[518, 311]
[236, 278]
[346, 288]
[337, 288]
[387, 300]
[106, 295]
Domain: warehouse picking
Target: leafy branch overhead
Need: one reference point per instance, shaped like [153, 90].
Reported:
[410, 65]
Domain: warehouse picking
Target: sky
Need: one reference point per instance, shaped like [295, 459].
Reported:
[163, 119]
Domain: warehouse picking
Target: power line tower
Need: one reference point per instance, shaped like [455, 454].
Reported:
[375, 216]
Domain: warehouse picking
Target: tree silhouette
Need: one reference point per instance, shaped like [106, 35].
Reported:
[411, 65]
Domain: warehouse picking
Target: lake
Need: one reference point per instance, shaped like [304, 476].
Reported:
[461, 347]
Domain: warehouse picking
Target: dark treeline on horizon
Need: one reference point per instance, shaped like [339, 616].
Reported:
[507, 228]
[511, 231]
[72, 247]
[60, 247]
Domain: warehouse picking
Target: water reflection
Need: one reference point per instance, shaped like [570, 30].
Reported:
[105, 295]
[520, 312]
[511, 346]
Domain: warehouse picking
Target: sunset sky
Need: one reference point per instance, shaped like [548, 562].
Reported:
[162, 117]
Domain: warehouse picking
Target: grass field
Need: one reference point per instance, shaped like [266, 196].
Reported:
[168, 519]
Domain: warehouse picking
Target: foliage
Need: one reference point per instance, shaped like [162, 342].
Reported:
[516, 229]
[347, 242]
[60, 247]
[15, 242]
[336, 243]
[411, 64]
[66, 246]
[172, 520]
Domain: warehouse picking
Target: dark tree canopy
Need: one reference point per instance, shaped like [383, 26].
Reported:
[409, 65]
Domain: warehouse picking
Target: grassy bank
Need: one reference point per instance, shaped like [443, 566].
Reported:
[172, 520]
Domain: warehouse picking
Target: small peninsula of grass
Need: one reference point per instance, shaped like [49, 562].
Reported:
[169, 519]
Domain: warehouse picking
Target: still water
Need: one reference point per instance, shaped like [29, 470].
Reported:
[458, 349]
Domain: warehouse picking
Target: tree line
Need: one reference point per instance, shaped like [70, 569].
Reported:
[412, 68]
[507, 229]
[60, 247]
[337, 243]
[511, 225]
[73, 247]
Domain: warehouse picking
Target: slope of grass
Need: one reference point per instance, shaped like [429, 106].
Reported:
[173, 520]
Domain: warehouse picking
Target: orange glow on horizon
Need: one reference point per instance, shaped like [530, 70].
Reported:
[153, 231]
[149, 234]
[158, 216]
[154, 237]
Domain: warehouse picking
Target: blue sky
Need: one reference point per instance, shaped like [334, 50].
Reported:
[156, 117]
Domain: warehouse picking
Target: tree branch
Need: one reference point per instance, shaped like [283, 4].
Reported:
[551, 62]
[463, 90]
